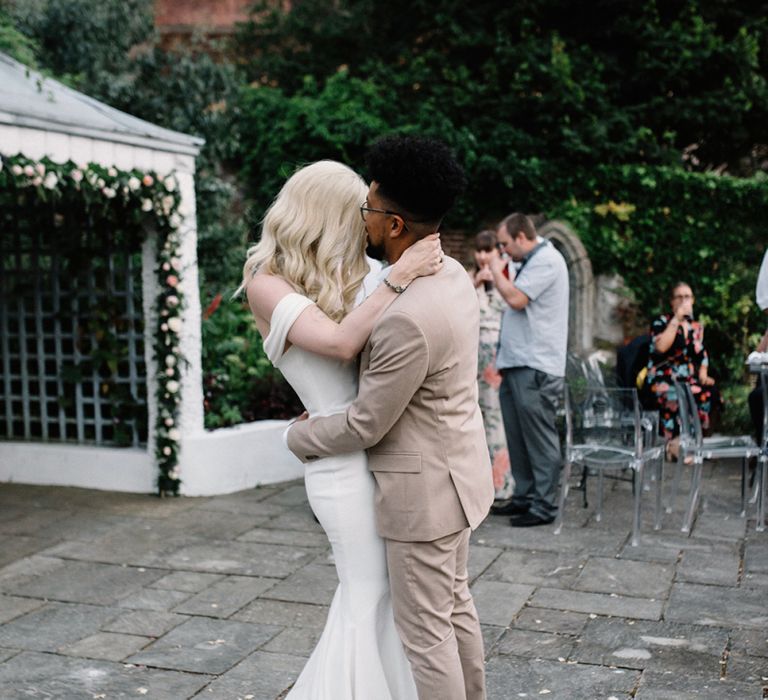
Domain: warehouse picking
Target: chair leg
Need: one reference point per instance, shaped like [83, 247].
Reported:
[659, 464]
[600, 483]
[743, 487]
[638, 497]
[675, 486]
[761, 474]
[694, 498]
[566, 476]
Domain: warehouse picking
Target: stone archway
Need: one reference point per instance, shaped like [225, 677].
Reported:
[581, 310]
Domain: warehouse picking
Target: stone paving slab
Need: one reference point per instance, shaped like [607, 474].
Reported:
[625, 577]
[508, 676]
[144, 623]
[496, 532]
[6, 654]
[225, 597]
[598, 603]
[556, 621]
[720, 567]
[537, 645]
[491, 636]
[54, 625]
[108, 646]
[262, 676]
[751, 642]
[717, 605]
[555, 569]
[756, 555]
[299, 641]
[153, 599]
[639, 644]
[296, 538]
[480, 558]
[315, 583]
[141, 548]
[23, 521]
[17, 546]
[747, 669]
[187, 581]
[13, 606]
[244, 558]
[674, 685]
[203, 645]
[36, 675]
[81, 582]
[279, 612]
[295, 519]
[497, 602]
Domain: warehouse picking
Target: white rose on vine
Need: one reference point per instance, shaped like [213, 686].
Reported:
[146, 205]
[172, 387]
[134, 183]
[51, 180]
[174, 324]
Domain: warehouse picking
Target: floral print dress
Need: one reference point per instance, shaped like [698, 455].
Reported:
[488, 380]
[682, 361]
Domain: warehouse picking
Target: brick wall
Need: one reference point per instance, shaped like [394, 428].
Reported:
[216, 15]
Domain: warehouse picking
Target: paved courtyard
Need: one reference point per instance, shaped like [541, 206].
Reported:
[106, 595]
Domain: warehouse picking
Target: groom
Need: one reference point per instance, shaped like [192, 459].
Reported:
[417, 415]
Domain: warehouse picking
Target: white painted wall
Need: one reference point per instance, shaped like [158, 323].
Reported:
[217, 462]
[89, 467]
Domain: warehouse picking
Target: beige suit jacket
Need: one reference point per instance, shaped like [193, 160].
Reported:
[417, 413]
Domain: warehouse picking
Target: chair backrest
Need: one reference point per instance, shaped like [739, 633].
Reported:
[691, 433]
[599, 415]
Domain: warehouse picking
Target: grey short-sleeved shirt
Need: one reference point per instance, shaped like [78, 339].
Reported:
[537, 335]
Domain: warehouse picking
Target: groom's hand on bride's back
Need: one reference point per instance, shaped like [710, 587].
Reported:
[303, 416]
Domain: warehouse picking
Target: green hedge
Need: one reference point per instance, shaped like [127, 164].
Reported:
[658, 225]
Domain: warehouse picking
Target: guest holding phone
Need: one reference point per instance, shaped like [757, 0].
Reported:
[677, 352]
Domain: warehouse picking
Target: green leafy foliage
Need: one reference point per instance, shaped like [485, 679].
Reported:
[239, 382]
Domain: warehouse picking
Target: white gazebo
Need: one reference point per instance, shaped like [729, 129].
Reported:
[41, 118]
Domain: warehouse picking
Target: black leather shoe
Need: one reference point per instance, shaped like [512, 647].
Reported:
[530, 520]
[510, 508]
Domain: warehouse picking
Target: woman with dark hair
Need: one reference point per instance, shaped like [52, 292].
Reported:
[488, 378]
[677, 352]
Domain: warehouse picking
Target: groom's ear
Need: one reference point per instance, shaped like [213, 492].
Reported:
[396, 226]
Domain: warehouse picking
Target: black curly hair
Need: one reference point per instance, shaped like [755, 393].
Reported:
[418, 175]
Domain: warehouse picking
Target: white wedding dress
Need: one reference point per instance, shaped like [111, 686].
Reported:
[359, 655]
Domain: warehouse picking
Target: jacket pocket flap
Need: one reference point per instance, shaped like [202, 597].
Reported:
[404, 462]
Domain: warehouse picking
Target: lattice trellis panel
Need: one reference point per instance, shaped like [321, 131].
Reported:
[71, 338]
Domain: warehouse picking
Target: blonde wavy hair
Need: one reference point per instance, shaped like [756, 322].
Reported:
[313, 237]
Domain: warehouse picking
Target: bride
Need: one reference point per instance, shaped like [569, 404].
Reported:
[302, 281]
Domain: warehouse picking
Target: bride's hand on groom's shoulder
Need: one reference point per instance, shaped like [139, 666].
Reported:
[425, 257]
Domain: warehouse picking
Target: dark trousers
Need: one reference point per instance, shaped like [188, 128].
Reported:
[756, 409]
[529, 399]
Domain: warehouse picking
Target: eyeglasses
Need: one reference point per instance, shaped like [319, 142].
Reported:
[365, 208]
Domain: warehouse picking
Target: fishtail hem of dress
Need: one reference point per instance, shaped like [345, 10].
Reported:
[362, 660]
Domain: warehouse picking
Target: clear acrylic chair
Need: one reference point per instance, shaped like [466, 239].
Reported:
[695, 449]
[761, 474]
[604, 433]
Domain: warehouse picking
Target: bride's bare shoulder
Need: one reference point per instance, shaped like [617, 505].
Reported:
[264, 291]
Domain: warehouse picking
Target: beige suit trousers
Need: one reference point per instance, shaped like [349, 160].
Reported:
[436, 617]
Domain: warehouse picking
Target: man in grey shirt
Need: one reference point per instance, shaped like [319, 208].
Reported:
[531, 359]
